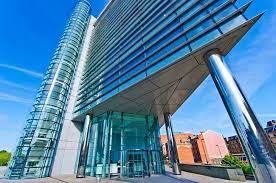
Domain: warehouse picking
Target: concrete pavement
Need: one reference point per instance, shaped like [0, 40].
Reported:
[186, 177]
[3, 170]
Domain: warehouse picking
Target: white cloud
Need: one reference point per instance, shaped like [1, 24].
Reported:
[12, 98]
[268, 115]
[15, 85]
[23, 70]
[254, 65]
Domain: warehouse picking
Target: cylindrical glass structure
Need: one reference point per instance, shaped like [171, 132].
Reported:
[36, 148]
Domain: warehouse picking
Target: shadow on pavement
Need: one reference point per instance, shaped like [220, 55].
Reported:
[171, 175]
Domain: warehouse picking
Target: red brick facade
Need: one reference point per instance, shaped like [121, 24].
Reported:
[206, 148]
[184, 147]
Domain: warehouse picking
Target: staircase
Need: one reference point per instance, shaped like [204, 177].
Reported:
[17, 165]
[17, 169]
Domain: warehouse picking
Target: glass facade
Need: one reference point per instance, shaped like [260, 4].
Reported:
[34, 154]
[135, 38]
[124, 145]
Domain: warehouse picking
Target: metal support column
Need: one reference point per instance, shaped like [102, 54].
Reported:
[94, 153]
[172, 145]
[106, 158]
[122, 147]
[149, 151]
[255, 142]
[84, 148]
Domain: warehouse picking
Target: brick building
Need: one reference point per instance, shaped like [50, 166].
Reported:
[271, 132]
[184, 147]
[207, 148]
[235, 148]
[234, 145]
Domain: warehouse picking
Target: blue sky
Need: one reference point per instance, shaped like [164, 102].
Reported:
[30, 31]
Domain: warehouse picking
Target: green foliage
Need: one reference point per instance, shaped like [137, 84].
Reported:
[246, 168]
[4, 158]
[230, 160]
[234, 161]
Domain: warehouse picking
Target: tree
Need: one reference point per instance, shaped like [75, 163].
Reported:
[234, 161]
[4, 158]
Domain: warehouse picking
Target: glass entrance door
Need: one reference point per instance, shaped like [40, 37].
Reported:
[155, 162]
[137, 163]
[124, 145]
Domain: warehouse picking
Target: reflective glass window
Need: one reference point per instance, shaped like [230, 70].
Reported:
[199, 28]
[233, 23]
[205, 39]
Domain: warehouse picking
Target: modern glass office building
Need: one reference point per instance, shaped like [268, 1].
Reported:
[115, 80]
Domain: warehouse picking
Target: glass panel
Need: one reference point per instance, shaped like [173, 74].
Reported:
[205, 39]
[132, 81]
[216, 4]
[233, 23]
[168, 60]
[225, 12]
[133, 143]
[190, 12]
[194, 20]
[185, 6]
[201, 27]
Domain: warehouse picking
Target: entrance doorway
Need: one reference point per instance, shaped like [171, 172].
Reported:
[137, 163]
[124, 145]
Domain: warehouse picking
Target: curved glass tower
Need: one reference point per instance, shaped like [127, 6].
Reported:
[35, 151]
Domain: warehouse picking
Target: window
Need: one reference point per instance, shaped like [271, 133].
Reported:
[169, 59]
[205, 39]
[216, 4]
[199, 28]
[225, 12]
[190, 12]
[194, 20]
[233, 23]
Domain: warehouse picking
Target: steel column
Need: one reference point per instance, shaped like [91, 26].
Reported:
[255, 142]
[172, 145]
[122, 144]
[106, 158]
[94, 153]
[84, 148]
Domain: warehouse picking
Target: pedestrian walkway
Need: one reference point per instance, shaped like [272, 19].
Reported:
[185, 177]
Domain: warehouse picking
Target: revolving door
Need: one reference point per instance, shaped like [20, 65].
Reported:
[137, 163]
